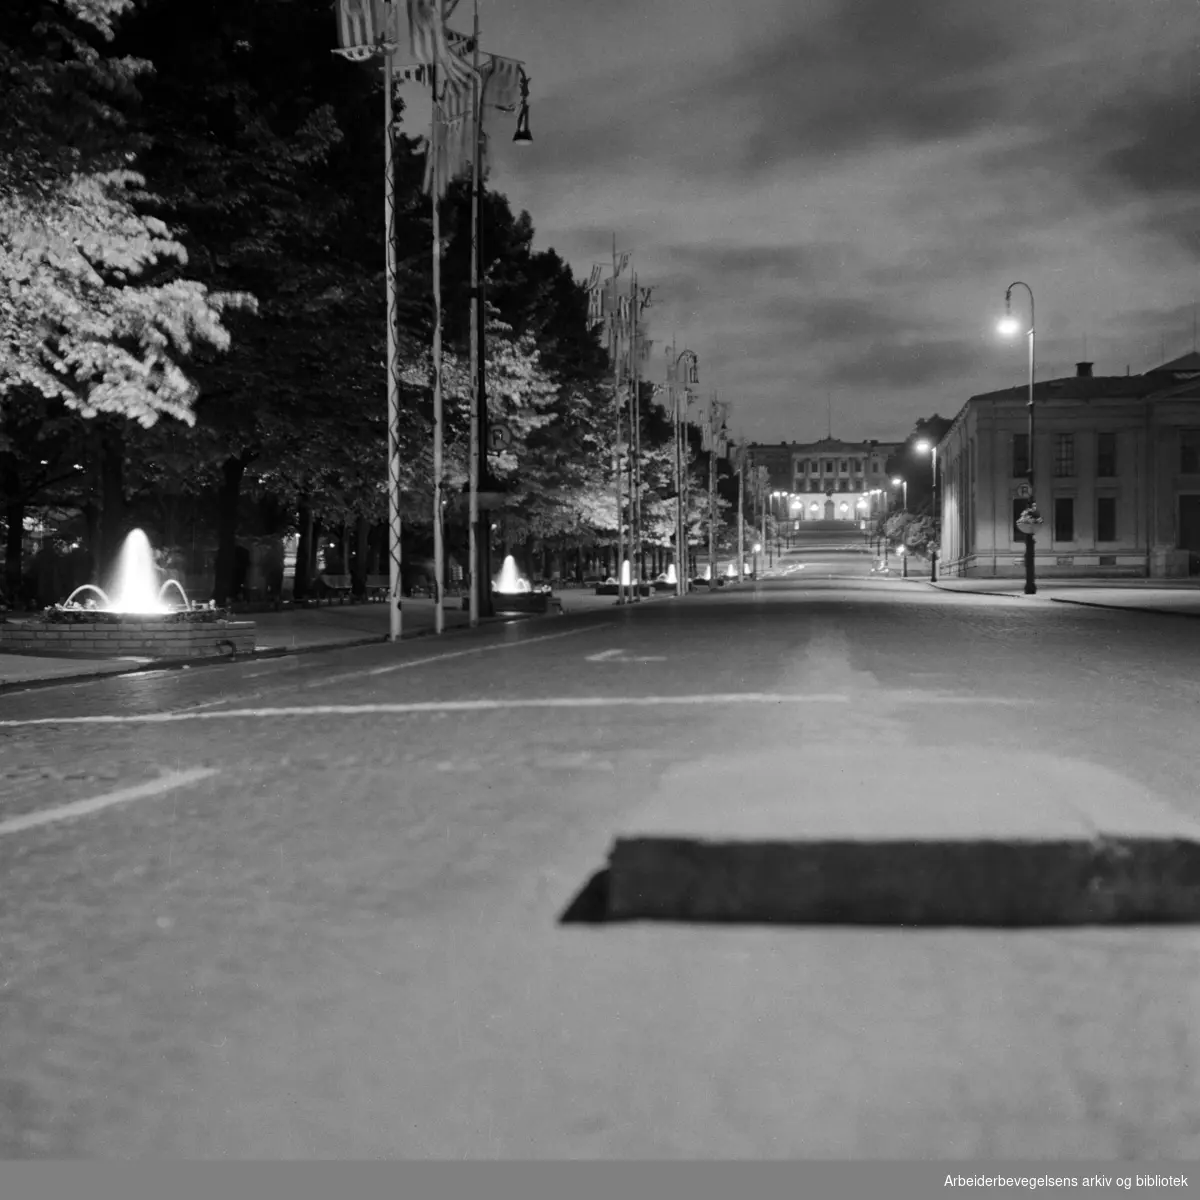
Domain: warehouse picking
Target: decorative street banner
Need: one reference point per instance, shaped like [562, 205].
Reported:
[369, 28]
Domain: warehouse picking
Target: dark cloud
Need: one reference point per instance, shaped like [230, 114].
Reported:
[907, 363]
[874, 71]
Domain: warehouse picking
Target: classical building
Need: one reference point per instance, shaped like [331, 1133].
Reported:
[1116, 476]
[829, 480]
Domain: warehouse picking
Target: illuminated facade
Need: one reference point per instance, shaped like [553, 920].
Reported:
[1116, 477]
[828, 480]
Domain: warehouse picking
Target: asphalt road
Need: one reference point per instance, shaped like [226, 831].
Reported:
[342, 937]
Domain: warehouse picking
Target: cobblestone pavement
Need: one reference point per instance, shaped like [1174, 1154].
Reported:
[345, 941]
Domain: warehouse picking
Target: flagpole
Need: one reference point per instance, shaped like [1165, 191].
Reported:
[474, 557]
[635, 447]
[741, 466]
[481, 566]
[439, 564]
[395, 614]
[712, 492]
[616, 359]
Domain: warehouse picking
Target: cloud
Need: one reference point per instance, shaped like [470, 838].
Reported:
[832, 196]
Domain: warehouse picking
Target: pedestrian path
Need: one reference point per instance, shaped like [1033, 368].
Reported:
[1180, 598]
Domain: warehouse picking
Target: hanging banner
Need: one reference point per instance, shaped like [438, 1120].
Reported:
[623, 261]
[367, 25]
[427, 38]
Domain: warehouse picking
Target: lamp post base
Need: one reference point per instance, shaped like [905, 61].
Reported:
[1030, 581]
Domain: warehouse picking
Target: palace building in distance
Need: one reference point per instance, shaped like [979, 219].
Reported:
[828, 480]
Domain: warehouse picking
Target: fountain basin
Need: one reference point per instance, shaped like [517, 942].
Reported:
[525, 602]
[120, 635]
[613, 589]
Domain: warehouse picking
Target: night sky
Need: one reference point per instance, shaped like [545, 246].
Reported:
[829, 197]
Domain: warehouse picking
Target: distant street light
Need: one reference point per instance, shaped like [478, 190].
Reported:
[902, 483]
[1009, 326]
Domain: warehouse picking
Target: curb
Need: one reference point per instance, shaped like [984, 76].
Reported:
[1003, 883]
[179, 664]
[1159, 612]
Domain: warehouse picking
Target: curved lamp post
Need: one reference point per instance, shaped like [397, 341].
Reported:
[1030, 519]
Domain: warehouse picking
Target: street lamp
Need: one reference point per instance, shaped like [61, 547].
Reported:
[1030, 519]
[902, 483]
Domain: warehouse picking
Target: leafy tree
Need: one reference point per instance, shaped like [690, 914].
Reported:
[915, 466]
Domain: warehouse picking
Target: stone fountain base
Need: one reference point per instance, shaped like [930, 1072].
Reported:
[522, 602]
[140, 637]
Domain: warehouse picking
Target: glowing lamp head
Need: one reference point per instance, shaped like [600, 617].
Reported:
[897, 482]
[923, 446]
[1008, 325]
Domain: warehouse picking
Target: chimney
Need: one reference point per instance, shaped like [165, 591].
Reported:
[1083, 370]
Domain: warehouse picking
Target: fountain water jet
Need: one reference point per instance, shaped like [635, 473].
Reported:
[510, 581]
[626, 577]
[671, 576]
[88, 587]
[135, 578]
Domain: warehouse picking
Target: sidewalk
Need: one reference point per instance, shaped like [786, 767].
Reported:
[1176, 598]
[291, 631]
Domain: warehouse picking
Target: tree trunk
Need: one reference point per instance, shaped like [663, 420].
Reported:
[303, 579]
[228, 497]
[359, 574]
[111, 446]
[14, 514]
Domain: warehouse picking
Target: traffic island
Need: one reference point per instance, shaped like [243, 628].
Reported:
[1054, 843]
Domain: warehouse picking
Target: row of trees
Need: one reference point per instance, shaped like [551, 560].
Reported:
[192, 306]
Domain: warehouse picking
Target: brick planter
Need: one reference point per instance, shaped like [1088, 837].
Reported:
[142, 637]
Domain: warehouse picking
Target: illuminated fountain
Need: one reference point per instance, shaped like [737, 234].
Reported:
[513, 593]
[731, 572]
[672, 578]
[140, 620]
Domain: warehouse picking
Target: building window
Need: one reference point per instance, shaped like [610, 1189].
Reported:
[1106, 519]
[875, 465]
[1064, 518]
[842, 466]
[858, 466]
[829, 466]
[1020, 468]
[1189, 451]
[1106, 455]
[1064, 455]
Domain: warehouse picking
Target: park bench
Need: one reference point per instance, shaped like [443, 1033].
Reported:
[335, 585]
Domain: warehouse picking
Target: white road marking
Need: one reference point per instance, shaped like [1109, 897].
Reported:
[621, 657]
[83, 808]
[432, 658]
[439, 706]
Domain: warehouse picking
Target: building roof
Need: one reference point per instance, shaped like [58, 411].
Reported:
[1189, 363]
[828, 445]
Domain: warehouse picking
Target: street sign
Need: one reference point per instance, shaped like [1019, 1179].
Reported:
[499, 437]
[1024, 491]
